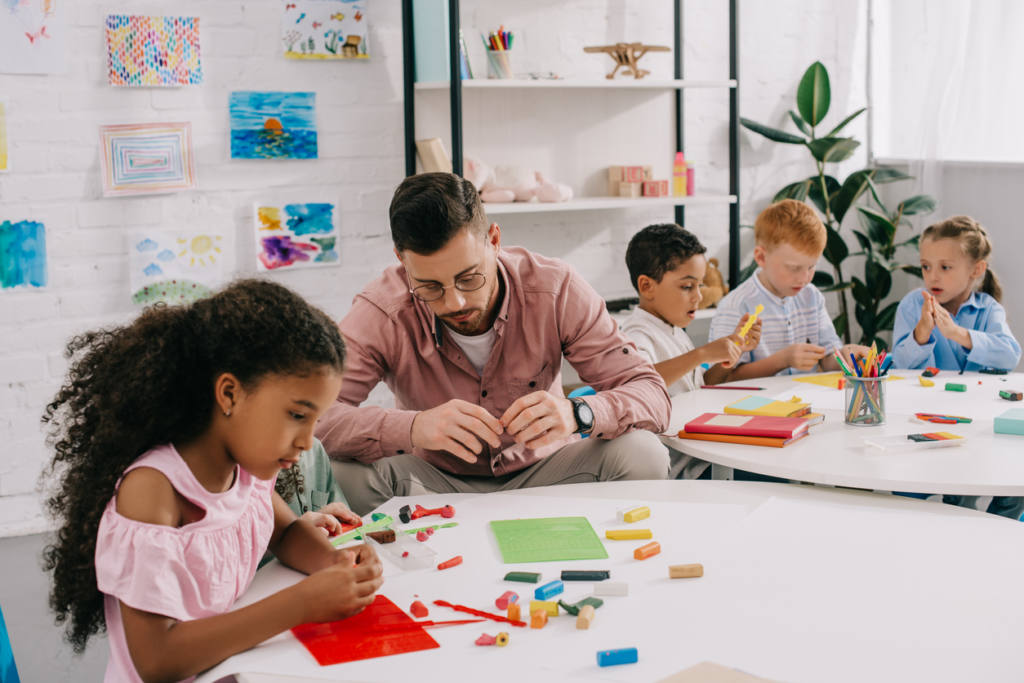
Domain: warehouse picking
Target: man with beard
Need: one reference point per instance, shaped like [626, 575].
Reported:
[470, 338]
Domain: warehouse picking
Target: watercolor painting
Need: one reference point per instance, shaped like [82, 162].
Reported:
[175, 267]
[152, 51]
[32, 37]
[273, 125]
[294, 236]
[146, 158]
[324, 29]
[22, 255]
[4, 164]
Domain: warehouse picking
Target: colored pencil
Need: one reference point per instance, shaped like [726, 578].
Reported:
[718, 386]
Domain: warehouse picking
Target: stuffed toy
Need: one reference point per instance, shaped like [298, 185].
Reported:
[714, 285]
[514, 184]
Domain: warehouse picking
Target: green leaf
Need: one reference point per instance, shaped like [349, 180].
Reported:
[878, 280]
[878, 200]
[835, 247]
[822, 279]
[813, 94]
[845, 121]
[853, 187]
[879, 228]
[887, 174]
[866, 321]
[746, 272]
[838, 287]
[797, 191]
[839, 322]
[919, 203]
[800, 123]
[884, 319]
[865, 241]
[913, 270]
[860, 292]
[912, 242]
[772, 133]
[832, 150]
[831, 185]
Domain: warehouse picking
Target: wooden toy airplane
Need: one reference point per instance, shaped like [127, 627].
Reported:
[626, 56]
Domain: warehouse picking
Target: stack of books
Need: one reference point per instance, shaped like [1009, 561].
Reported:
[755, 421]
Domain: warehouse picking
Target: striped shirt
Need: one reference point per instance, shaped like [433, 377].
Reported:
[789, 320]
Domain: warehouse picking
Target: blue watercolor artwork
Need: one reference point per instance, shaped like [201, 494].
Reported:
[273, 125]
[22, 254]
[296, 235]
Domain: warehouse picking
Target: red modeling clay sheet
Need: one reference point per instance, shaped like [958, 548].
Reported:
[374, 632]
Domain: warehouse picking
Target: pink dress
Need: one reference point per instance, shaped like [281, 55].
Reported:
[185, 573]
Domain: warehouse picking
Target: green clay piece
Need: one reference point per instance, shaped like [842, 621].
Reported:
[524, 577]
[424, 528]
[951, 386]
[574, 609]
[382, 523]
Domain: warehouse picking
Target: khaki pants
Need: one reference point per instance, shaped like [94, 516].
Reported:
[634, 455]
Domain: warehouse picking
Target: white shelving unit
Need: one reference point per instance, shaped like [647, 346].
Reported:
[604, 203]
[557, 83]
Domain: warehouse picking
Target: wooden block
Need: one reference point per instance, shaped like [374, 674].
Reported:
[685, 571]
[433, 155]
[549, 606]
[538, 619]
[646, 551]
[631, 190]
[628, 534]
[584, 618]
[513, 611]
[655, 188]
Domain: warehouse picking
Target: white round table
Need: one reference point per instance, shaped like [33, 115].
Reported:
[801, 583]
[834, 453]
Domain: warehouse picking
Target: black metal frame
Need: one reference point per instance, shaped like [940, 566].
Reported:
[455, 98]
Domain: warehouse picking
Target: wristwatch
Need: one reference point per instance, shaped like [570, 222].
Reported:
[583, 414]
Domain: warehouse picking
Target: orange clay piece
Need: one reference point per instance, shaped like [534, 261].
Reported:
[447, 564]
[645, 551]
[538, 619]
[513, 611]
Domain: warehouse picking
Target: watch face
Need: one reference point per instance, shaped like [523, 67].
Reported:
[584, 415]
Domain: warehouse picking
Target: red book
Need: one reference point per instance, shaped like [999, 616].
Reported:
[748, 425]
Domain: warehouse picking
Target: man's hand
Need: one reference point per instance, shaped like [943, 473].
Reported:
[803, 357]
[539, 419]
[924, 327]
[457, 427]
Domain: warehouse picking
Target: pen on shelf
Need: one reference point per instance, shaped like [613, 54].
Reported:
[719, 386]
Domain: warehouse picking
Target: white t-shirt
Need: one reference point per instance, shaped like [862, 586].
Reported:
[477, 348]
[657, 341]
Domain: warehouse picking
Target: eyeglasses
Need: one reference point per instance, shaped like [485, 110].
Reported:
[432, 291]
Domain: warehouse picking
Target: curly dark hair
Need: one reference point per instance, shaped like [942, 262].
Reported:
[659, 248]
[138, 386]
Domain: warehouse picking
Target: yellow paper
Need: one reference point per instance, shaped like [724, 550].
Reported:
[830, 379]
[3, 137]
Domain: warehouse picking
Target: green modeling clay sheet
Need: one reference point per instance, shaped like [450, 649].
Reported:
[547, 539]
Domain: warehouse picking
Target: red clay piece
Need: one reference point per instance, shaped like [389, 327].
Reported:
[645, 551]
[507, 598]
[418, 609]
[448, 564]
[445, 511]
[486, 639]
[422, 536]
[480, 613]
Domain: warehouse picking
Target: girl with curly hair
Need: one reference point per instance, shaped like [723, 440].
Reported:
[168, 434]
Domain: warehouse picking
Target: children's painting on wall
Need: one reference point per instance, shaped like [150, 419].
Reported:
[324, 29]
[22, 255]
[32, 36]
[3, 137]
[175, 267]
[273, 125]
[146, 158]
[153, 51]
[293, 236]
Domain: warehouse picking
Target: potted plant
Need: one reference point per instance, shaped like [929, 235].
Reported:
[878, 227]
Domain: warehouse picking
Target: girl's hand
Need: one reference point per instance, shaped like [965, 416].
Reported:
[950, 330]
[344, 588]
[327, 517]
[924, 327]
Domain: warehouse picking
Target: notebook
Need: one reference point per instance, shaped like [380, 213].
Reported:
[737, 438]
[748, 425]
[759, 405]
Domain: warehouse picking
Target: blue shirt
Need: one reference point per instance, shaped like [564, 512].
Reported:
[785, 320]
[992, 342]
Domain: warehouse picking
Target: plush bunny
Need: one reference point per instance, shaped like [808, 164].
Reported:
[513, 184]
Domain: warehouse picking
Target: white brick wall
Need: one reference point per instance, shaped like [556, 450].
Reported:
[53, 120]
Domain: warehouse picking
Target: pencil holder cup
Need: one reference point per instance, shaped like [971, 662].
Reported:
[864, 404]
[499, 64]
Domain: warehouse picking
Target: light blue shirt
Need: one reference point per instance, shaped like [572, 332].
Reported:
[785, 320]
[992, 342]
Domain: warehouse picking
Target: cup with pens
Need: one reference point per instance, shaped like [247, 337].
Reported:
[499, 52]
[864, 390]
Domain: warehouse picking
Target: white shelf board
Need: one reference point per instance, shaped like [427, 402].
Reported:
[615, 84]
[604, 203]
